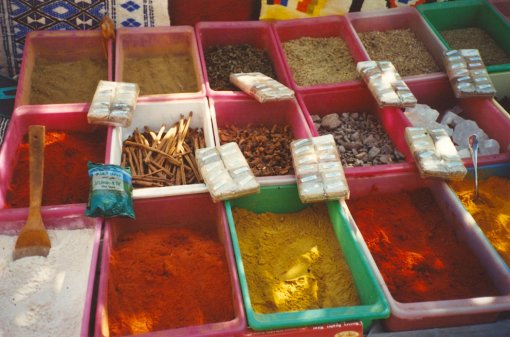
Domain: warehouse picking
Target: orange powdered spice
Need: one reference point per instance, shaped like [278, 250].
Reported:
[491, 210]
[65, 168]
[167, 278]
[416, 250]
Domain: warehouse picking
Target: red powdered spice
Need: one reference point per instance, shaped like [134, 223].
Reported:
[415, 249]
[65, 168]
[167, 278]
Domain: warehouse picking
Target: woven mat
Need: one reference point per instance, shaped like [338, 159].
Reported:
[18, 17]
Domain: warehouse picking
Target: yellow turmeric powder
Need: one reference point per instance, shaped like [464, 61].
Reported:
[293, 261]
[491, 211]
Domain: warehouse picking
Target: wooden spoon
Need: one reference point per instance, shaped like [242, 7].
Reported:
[33, 239]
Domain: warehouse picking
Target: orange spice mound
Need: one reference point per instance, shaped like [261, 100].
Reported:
[65, 168]
[417, 252]
[167, 278]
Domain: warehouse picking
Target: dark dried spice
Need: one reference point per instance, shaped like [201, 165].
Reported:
[221, 61]
[267, 149]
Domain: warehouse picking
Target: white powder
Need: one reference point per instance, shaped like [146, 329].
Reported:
[45, 296]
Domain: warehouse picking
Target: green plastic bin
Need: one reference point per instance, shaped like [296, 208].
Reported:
[285, 199]
[469, 13]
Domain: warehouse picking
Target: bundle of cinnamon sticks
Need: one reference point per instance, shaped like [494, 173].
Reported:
[164, 157]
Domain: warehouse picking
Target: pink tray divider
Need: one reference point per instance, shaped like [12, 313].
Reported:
[151, 209]
[443, 313]
[437, 93]
[399, 18]
[326, 26]
[168, 32]
[11, 221]
[29, 54]
[55, 117]
[238, 111]
[359, 99]
[255, 33]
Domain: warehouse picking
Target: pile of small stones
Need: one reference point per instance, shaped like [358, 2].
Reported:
[360, 138]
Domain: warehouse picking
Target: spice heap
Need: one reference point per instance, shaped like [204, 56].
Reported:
[476, 38]
[322, 60]
[416, 249]
[45, 296]
[267, 149]
[403, 48]
[66, 179]
[221, 61]
[66, 82]
[167, 278]
[360, 138]
[158, 75]
[293, 261]
[491, 210]
[164, 157]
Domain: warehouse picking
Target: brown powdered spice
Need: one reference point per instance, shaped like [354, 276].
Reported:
[55, 82]
[402, 48]
[157, 75]
[315, 61]
[476, 38]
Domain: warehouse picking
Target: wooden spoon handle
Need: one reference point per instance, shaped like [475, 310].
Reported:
[36, 162]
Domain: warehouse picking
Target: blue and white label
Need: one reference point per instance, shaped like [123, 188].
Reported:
[107, 180]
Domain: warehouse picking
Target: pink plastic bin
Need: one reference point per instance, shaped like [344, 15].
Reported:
[62, 117]
[400, 18]
[241, 112]
[436, 314]
[192, 211]
[319, 27]
[255, 33]
[158, 41]
[438, 94]
[502, 6]
[70, 45]
[359, 99]
[70, 218]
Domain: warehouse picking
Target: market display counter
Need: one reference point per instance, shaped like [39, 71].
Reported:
[267, 264]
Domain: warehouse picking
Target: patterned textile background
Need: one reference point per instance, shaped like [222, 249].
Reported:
[18, 17]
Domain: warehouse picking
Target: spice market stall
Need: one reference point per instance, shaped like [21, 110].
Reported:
[360, 192]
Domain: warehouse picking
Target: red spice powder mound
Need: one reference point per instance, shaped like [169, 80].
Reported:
[416, 250]
[65, 168]
[167, 278]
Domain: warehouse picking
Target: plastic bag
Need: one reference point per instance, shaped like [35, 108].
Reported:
[113, 103]
[298, 9]
[110, 191]
[435, 154]
[319, 172]
[226, 172]
[467, 73]
[385, 84]
[263, 88]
